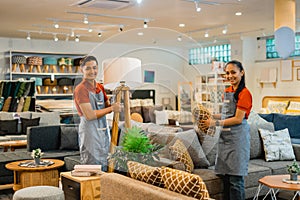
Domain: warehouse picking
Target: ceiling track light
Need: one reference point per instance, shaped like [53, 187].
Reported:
[139, 1]
[99, 34]
[72, 33]
[90, 30]
[206, 34]
[198, 8]
[56, 25]
[55, 38]
[121, 28]
[145, 24]
[179, 38]
[85, 19]
[77, 38]
[224, 31]
[67, 38]
[28, 36]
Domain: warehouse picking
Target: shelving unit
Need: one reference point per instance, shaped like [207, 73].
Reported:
[210, 89]
[53, 92]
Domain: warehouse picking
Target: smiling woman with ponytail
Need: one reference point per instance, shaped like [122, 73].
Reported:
[234, 142]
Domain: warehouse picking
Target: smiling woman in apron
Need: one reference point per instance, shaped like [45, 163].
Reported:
[234, 142]
[92, 105]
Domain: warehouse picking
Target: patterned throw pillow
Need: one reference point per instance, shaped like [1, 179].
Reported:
[185, 183]
[293, 109]
[277, 106]
[145, 173]
[200, 113]
[180, 153]
[277, 145]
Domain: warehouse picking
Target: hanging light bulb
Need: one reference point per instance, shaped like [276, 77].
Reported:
[77, 38]
[28, 36]
[85, 19]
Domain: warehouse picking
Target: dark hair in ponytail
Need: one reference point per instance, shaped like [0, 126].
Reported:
[242, 84]
[86, 59]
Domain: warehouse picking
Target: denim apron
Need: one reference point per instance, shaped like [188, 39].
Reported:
[94, 137]
[234, 143]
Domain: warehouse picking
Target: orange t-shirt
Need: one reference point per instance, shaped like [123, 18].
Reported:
[81, 93]
[244, 101]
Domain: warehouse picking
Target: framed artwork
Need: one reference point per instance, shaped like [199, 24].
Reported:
[149, 76]
[286, 70]
[298, 74]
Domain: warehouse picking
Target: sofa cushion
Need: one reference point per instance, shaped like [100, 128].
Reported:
[145, 173]
[69, 138]
[189, 139]
[256, 122]
[281, 121]
[278, 167]
[180, 153]
[184, 183]
[28, 122]
[161, 117]
[277, 145]
[9, 126]
[47, 118]
[210, 145]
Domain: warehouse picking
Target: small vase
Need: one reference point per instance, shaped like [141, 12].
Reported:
[37, 161]
[294, 176]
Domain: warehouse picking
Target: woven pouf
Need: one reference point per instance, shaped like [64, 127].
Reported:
[39, 192]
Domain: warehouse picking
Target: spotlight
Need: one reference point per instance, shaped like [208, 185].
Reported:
[85, 19]
[139, 1]
[99, 34]
[90, 30]
[120, 29]
[56, 25]
[198, 8]
[179, 38]
[55, 37]
[67, 38]
[72, 33]
[145, 24]
[224, 31]
[77, 38]
[28, 36]
[206, 34]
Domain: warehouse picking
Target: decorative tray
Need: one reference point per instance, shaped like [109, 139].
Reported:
[32, 163]
[287, 180]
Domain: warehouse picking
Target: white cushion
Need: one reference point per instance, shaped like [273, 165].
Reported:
[161, 117]
[277, 145]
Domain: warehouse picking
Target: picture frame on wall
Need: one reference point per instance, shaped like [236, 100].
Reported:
[149, 76]
[286, 70]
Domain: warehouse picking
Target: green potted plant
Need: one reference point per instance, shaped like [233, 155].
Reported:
[293, 169]
[134, 146]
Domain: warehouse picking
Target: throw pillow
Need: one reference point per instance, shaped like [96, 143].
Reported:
[185, 183]
[277, 145]
[145, 173]
[48, 118]
[161, 117]
[189, 139]
[136, 117]
[9, 126]
[256, 122]
[277, 106]
[69, 138]
[28, 123]
[180, 153]
[200, 113]
[293, 109]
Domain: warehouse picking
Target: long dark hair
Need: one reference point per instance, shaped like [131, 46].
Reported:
[242, 84]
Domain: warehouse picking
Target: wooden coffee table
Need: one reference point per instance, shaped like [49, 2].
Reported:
[33, 176]
[14, 144]
[275, 183]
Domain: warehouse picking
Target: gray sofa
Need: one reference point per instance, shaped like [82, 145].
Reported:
[56, 141]
[257, 169]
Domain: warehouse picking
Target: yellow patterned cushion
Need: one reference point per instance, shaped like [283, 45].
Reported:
[200, 113]
[179, 153]
[277, 106]
[145, 173]
[293, 109]
[184, 183]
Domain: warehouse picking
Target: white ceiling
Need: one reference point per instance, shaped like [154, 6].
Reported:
[37, 17]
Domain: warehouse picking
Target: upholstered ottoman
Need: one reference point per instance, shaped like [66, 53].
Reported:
[39, 192]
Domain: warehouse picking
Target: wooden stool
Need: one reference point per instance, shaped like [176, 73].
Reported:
[39, 193]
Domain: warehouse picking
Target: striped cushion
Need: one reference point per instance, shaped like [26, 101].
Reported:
[185, 183]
